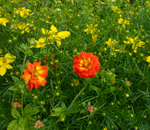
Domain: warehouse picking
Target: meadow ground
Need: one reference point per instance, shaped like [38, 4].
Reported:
[74, 65]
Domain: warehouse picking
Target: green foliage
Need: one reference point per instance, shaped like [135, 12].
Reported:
[115, 31]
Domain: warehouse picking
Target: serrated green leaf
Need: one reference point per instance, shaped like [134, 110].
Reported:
[29, 110]
[15, 79]
[13, 125]
[15, 113]
[22, 121]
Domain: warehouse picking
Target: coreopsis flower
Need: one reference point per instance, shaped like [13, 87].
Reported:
[40, 43]
[5, 63]
[86, 65]
[54, 34]
[38, 124]
[35, 75]
[90, 109]
[3, 21]
[17, 104]
[22, 11]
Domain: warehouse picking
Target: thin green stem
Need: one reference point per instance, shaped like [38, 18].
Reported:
[76, 97]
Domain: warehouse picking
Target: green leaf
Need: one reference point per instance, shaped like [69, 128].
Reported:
[30, 110]
[14, 88]
[15, 113]
[20, 67]
[57, 111]
[13, 125]
[94, 88]
[15, 79]
[63, 105]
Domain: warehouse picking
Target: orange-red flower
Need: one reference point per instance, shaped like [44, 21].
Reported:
[86, 64]
[35, 75]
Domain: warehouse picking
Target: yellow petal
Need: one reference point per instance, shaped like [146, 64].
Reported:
[63, 34]
[58, 42]
[8, 66]
[54, 29]
[9, 58]
[1, 61]
[2, 70]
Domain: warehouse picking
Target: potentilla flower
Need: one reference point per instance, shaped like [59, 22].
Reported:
[38, 124]
[86, 64]
[35, 75]
[5, 63]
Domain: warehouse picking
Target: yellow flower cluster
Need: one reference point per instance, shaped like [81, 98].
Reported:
[135, 43]
[92, 29]
[23, 12]
[24, 27]
[123, 22]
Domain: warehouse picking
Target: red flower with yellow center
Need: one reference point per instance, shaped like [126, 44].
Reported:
[86, 64]
[35, 75]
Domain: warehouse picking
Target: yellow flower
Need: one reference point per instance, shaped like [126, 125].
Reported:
[94, 38]
[54, 34]
[110, 42]
[4, 21]
[4, 63]
[91, 29]
[148, 59]
[22, 11]
[120, 21]
[24, 27]
[148, 3]
[40, 43]
[114, 8]
[135, 46]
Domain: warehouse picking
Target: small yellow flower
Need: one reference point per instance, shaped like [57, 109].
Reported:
[105, 128]
[54, 34]
[5, 63]
[127, 95]
[22, 11]
[148, 59]
[40, 43]
[3, 21]
[76, 82]
[94, 38]
[110, 42]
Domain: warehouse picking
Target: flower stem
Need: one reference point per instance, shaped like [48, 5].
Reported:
[76, 97]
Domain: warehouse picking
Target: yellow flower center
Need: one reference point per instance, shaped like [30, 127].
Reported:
[36, 74]
[86, 64]
[4, 61]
